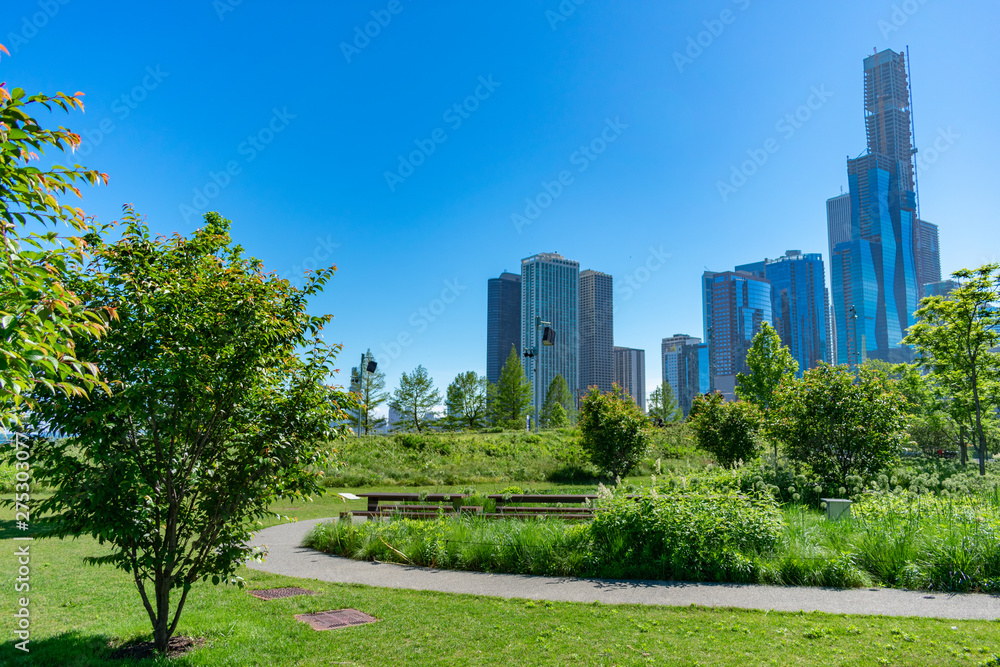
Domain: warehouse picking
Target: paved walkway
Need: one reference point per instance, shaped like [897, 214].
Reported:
[287, 557]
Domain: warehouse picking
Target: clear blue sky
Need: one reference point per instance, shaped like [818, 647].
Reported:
[179, 93]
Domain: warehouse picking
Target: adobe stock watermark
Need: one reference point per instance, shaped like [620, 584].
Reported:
[22, 515]
[634, 281]
[31, 24]
[786, 126]
[454, 116]
[901, 14]
[562, 12]
[714, 28]
[581, 158]
[321, 257]
[420, 320]
[223, 7]
[381, 18]
[248, 149]
[122, 107]
[943, 141]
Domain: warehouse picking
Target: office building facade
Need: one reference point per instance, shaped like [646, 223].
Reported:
[735, 305]
[685, 368]
[503, 322]
[629, 373]
[550, 290]
[596, 330]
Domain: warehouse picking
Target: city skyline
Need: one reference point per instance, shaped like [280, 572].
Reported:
[649, 142]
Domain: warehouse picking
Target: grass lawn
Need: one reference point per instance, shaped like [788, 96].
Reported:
[80, 611]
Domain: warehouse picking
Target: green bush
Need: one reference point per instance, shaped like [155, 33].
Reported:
[614, 431]
[699, 535]
[729, 431]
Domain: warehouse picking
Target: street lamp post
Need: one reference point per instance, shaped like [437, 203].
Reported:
[857, 350]
[548, 340]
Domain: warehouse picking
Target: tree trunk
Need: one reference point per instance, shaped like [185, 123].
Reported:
[979, 427]
[161, 633]
[961, 444]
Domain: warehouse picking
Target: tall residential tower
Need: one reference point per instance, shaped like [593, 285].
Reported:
[503, 322]
[873, 274]
[596, 330]
[550, 289]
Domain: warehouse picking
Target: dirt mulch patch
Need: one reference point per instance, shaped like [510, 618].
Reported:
[144, 650]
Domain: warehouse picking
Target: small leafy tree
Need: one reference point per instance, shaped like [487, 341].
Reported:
[663, 404]
[510, 398]
[218, 408]
[614, 431]
[41, 317]
[414, 398]
[769, 363]
[729, 431]
[466, 401]
[841, 424]
[955, 336]
[558, 394]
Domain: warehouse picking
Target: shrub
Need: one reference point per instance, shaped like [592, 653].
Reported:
[841, 424]
[615, 432]
[700, 535]
[729, 431]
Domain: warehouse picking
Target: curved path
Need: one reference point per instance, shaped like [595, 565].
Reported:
[287, 557]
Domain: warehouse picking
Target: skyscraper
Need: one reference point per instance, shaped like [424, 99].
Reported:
[735, 306]
[926, 255]
[629, 369]
[596, 330]
[503, 322]
[685, 368]
[875, 287]
[550, 290]
[799, 304]
[838, 230]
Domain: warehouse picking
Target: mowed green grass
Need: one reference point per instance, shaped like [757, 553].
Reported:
[80, 612]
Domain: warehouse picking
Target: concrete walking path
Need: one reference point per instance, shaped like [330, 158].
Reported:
[287, 557]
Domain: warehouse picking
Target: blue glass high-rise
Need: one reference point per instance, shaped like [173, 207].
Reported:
[874, 277]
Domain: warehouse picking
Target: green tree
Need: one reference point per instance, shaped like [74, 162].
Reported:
[557, 416]
[729, 431]
[510, 398]
[372, 394]
[558, 394]
[614, 431]
[954, 336]
[414, 398]
[466, 401]
[40, 316]
[841, 424]
[769, 363]
[663, 404]
[218, 408]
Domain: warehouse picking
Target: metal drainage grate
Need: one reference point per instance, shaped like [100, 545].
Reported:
[340, 618]
[275, 593]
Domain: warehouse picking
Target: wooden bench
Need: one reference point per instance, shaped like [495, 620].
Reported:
[578, 509]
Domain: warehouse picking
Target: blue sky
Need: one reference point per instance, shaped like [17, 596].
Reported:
[618, 121]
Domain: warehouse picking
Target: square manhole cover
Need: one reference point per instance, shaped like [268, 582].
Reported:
[275, 593]
[340, 618]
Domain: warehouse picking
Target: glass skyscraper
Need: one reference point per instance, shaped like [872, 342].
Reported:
[685, 368]
[799, 304]
[503, 322]
[735, 306]
[550, 290]
[629, 373]
[874, 277]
